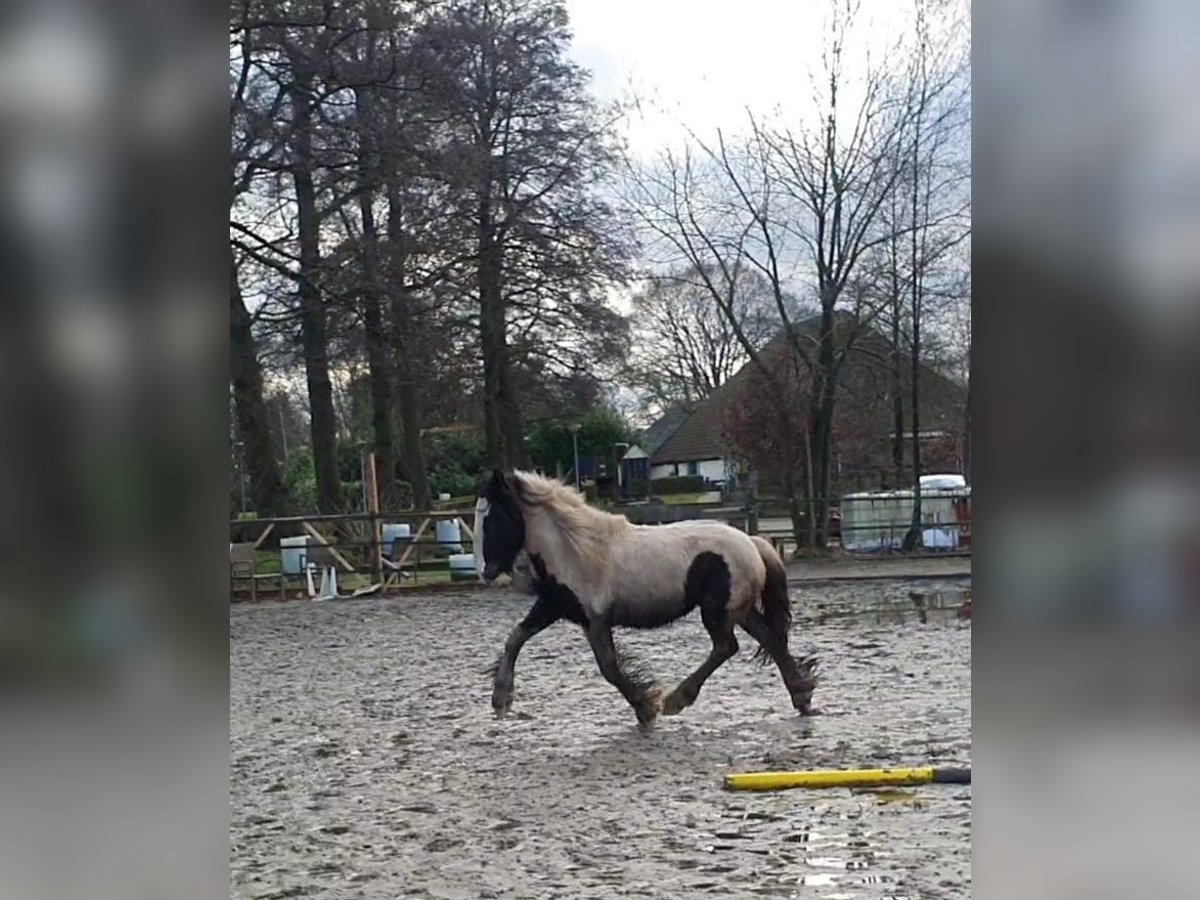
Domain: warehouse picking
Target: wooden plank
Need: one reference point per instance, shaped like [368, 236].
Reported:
[262, 537]
[328, 546]
[298, 520]
[412, 544]
[470, 532]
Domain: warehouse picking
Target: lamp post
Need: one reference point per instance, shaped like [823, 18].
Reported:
[241, 461]
[619, 450]
[575, 444]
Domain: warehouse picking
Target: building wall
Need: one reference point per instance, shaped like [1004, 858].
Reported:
[711, 469]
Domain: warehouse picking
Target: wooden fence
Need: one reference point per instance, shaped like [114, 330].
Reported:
[353, 543]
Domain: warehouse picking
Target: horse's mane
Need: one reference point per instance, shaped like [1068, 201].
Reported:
[585, 530]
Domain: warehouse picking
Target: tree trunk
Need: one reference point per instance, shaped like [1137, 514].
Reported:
[312, 308]
[411, 419]
[267, 488]
[379, 375]
[912, 539]
[375, 337]
[492, 341]
[407, 369]
[510, 415]
[821, 426]
[967, 435]
[896, 387]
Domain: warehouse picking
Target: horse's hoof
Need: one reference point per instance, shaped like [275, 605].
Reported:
[501, 704]
[673, 704]
[650, 706]
[807, 710]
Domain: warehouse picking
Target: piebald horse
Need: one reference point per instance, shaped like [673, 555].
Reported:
[599, 571]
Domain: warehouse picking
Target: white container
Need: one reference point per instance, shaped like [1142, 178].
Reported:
[449, 535]
[293, 552]
[443, 496]
[879, 520]
[462, 567]
[943, 482]
[876, 520]
[391, 532]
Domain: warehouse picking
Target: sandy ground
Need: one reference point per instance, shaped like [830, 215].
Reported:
[366, 762]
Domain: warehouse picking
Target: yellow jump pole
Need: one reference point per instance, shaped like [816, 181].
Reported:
[776, 781]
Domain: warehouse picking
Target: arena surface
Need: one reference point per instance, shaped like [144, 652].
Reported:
[366, 762]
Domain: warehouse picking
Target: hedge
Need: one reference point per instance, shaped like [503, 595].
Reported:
[678, 484]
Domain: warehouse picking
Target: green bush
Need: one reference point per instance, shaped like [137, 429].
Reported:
[301, 480]
[678, 484]
[552, 446]
[454, 460]
[452, 482]
[352, 497]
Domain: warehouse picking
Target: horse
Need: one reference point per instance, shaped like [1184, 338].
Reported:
[599, 571]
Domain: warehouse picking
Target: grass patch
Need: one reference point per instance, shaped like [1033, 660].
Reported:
[684, 499]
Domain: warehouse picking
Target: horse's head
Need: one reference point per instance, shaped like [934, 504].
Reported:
[499, 526]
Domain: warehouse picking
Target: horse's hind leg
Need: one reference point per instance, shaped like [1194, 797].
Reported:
[725, 645]
[799, 676]
[708, 582]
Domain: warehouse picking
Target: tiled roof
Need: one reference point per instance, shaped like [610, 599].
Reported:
[662, 429]
[700, 436]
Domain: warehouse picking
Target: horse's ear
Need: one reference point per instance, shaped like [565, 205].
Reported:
[497, 478]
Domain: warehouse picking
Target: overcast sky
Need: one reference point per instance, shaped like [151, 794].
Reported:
[703, 63]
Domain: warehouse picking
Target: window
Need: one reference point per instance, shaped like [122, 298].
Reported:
[693, 468]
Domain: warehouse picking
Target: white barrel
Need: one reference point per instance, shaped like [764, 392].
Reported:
[391, 532]
[462, 567]
[293, 552]
[449, 535]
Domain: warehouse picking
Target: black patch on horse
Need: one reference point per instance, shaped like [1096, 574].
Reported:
[554, 594]
[708, 585]
[503, 527]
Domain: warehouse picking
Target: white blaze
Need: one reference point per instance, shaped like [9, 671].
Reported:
[481, 511]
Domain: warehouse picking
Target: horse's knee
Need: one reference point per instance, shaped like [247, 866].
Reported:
[726, 644]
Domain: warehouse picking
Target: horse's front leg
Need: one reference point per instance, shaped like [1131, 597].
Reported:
[637, 688]
[540, 617]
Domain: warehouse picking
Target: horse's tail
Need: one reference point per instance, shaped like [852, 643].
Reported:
[776, 605]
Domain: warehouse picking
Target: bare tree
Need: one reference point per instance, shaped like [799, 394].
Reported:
[684, 347]
[699, 215]
[935, 195]
[254, 149]
[795, 204]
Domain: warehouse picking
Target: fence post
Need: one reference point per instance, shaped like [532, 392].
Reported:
[376, 548]
[751, 506]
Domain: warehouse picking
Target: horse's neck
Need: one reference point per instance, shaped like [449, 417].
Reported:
[569, 547]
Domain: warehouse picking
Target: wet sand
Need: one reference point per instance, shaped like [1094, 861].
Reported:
[366, 762]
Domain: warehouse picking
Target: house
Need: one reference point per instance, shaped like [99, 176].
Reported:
[695, 445]
[663, 427]
[697, 441]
